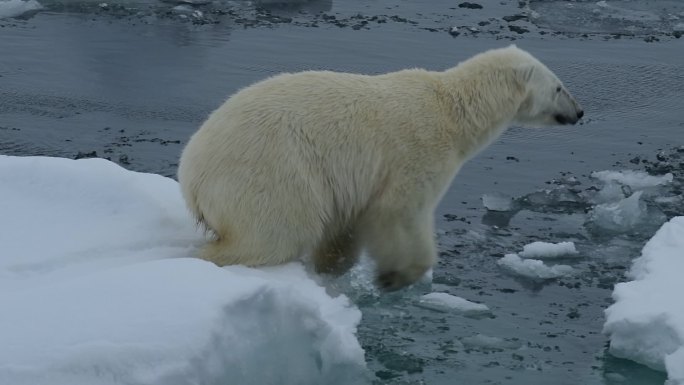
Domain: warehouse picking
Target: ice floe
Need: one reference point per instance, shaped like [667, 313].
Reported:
[97, 287]
[646, 322]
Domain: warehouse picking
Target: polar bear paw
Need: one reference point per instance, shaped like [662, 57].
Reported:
[394, 280]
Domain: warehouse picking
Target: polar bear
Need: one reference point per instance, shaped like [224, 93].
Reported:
[326, 164]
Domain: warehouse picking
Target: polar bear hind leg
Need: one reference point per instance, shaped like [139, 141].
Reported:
[402, 245]
[337, 252]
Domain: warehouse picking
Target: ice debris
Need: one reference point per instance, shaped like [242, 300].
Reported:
[448, 302]
[636, 180]
[533, 268]
[498, 202]
[622, 215]
[546, 250]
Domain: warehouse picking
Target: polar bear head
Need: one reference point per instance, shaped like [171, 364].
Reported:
[546, 100]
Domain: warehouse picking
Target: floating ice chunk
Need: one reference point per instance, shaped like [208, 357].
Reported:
[15, 8]
[191, 2]
[533, 268]
[636, 180]
[646, 322]
[546, 250]
[602, 4]
[620, 216]
[182, 8]
[669, 200]
[498, 202]
[487, 342]
[611, 192]
[281, 2]
[561, 199]
[109, 297]
[614, 377]
[448, 302]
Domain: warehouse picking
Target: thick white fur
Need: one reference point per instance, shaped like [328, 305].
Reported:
[327, 163]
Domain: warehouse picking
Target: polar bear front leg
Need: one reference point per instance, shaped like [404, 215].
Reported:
[402, 245]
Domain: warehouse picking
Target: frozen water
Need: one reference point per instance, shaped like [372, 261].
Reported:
[636, 180]
[533, 268]
[96, 288]
[546, 250]
[177, 321]
[15, 8]
[498, 202]
[646, 323]
[448, 302]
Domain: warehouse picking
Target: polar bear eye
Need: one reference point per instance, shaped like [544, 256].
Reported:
[558, 89]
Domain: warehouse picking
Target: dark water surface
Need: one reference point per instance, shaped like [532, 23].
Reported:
[133, 83]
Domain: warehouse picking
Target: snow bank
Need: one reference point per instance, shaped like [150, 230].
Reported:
[96, 288]
[448, 302]
[646, 323]
[544, 250]
[533, 268]
[14, 8]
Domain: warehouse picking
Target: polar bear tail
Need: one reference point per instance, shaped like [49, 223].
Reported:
[215, 251]
[226, 251]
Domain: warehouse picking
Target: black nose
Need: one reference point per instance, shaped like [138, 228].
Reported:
[580, 114]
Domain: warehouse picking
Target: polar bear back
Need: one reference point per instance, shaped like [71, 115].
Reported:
[336, 136]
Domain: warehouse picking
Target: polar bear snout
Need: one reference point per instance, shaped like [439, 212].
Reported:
[566, 119]
[570, 111]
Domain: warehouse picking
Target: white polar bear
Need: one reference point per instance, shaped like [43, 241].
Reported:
[326, 164]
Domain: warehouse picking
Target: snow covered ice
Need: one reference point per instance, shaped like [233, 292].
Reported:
[533, 268]
[646, 323]
[96, 287]
[543, 250]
